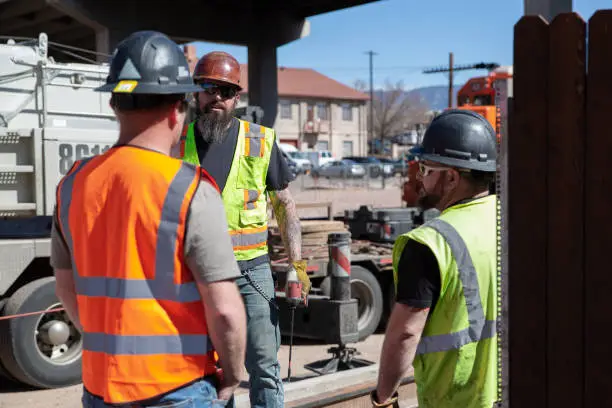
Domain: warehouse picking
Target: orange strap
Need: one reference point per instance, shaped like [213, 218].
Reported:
[206, 176]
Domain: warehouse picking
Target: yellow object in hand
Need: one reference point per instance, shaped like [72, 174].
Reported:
[300, 268]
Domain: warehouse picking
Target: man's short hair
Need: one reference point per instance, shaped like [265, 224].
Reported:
[480, 180]
[139, 102]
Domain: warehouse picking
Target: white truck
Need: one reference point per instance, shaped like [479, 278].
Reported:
[49, 117]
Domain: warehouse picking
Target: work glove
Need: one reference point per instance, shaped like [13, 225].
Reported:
[300, 269]
[392, 402]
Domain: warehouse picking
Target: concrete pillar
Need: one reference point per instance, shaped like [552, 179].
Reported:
[102, 44]
[190, 55]
[263, 80]
[107, 39]
[547, 8]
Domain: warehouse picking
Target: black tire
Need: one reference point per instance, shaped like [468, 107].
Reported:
[5, 375]
[366, 289]
[20, 355]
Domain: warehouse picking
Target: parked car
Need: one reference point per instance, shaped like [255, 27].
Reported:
[374, 165]
[303, 165]
[400, 166]
[339, 169]
[293, 166]
[301, 160]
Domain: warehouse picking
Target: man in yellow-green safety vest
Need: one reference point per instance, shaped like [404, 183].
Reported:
[245, 161]
[445, 273]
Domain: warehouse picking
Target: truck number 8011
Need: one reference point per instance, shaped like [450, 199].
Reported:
[68, 153]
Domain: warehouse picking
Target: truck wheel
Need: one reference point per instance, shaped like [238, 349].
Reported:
[366, 289]
[42, 350]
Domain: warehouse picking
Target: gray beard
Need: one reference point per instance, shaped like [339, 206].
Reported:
[214, 127]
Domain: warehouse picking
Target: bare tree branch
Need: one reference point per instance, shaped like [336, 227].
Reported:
[394, 110]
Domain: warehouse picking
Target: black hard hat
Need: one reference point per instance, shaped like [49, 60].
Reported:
[148, 62]
[460, 138]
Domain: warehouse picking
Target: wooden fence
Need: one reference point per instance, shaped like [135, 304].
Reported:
[559, 213]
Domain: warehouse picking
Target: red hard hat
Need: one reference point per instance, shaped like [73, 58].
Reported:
[218, 66]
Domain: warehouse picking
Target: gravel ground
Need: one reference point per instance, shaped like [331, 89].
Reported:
[12, 396]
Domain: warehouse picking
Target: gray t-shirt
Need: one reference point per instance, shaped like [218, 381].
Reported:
[208, 246]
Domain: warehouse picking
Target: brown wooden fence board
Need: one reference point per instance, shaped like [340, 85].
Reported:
[566, 133]
[527, 145]
[598, 219]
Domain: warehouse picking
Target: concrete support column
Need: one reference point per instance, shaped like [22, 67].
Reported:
[107, 39]
[190, 56]
[547, 8]
[102, 44]
[263, 80]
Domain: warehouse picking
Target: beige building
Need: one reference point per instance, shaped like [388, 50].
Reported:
[316, 112]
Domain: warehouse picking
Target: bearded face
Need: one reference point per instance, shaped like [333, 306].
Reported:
[216, 106]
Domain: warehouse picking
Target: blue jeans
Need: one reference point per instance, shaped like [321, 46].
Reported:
[263, 338]
[200, 394]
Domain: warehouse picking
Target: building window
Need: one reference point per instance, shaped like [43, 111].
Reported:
[347, 148]
[285, 110]
[347, 112]
[322, 145]
[322, 111]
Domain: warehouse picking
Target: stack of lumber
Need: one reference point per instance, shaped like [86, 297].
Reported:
[371, 248]
[314, 239]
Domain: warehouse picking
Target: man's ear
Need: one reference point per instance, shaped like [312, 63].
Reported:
[453, 177]
[174, 115]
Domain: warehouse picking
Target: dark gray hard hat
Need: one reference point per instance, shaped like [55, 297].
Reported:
[460, 138]
[148, 62]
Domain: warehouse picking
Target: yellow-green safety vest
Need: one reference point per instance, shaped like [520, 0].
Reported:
[244, 192]
[456, 360]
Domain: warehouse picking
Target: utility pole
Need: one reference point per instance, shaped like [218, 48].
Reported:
[371, 124]
[452, 68]
[450, 80]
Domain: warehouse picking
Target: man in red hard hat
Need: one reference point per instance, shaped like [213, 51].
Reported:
[245, 160]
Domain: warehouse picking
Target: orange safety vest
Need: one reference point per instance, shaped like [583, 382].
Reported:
[123, 216]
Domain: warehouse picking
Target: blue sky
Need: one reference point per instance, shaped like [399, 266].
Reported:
[407, 35]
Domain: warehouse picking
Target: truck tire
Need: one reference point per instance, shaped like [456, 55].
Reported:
[366, 289]
[42, 350]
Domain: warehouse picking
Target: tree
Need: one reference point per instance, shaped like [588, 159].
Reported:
[395, 110]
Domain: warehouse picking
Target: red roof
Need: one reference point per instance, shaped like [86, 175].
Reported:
[308, 83]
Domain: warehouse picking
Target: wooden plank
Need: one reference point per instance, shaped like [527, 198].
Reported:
[598, 201]
[527, 145]
[565, 210]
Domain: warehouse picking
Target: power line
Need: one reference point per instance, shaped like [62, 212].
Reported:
[452, 68]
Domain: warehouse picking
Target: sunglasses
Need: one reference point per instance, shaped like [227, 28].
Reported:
[426, 169]
[225, 91]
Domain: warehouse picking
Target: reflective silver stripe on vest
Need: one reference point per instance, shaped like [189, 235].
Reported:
[184, 344]
[162, 287]
[255, 139]
[479, 328]
[246, 239]
[252, 195]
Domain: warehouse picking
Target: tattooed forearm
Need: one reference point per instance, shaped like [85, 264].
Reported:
[288, 222]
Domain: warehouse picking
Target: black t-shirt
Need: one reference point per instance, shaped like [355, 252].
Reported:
[418, 277]
[217, 159]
